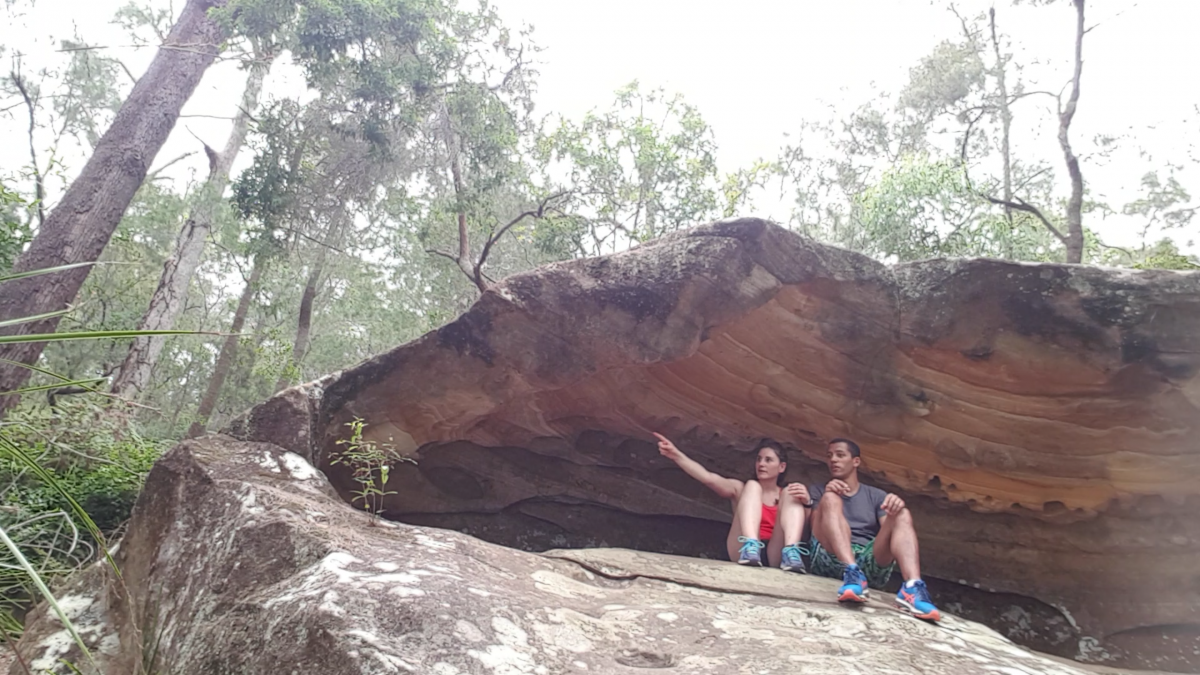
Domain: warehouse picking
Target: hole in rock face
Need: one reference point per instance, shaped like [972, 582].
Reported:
[607, 490]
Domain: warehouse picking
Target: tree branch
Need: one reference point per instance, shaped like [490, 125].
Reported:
[39, 181]
[208, 151]
[447, 256]
[154, 175]
[314, 240]
[1019, 204]
[539, 212]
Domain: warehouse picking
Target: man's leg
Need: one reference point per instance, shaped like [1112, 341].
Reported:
[789, 529]
[833, 532]
[897, 540]
[831, 529]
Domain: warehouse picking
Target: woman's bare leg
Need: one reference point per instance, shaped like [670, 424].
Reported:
[732, 545]
[791, 519]
[749, 509]
[789, 527]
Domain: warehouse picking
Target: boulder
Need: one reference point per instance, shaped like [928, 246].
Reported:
[1040, 419]
[241, 559]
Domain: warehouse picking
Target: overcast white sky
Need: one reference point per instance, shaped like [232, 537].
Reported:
[757, 68]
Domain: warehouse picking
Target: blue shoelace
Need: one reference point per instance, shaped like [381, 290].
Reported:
[747, 542]
[793, 552]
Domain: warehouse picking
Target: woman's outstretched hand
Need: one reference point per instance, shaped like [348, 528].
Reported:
[667, 449]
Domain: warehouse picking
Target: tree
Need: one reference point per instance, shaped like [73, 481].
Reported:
[999, 104]
[320, 168]
[643, 168]
[79, 228]
[923, 208]
[229, 348]
[471, 147]
[264, 195]
[1074, 234]
[13, 231]
[170, 296]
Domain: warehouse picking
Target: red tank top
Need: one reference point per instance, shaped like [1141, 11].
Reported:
[767, 525]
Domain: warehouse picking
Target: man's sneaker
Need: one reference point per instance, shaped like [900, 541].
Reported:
[751, 552]
[915, 599]
[854, 585]
[791, 560]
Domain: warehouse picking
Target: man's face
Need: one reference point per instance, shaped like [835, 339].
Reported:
[841, 463]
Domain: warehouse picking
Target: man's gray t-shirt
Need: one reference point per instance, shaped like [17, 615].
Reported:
[863, 510]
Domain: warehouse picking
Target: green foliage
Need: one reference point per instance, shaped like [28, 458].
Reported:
[1164, 204]
[1162, 255]
[923, 208]
[381, 56]
[641, 169]
[14, 232]
[942, 80]
[1165, 255]
[371, 464]
[93, 456]
[62, 465]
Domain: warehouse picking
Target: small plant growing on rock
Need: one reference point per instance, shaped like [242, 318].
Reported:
[371, 463]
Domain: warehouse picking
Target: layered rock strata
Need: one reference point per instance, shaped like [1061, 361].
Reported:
[1041, 420]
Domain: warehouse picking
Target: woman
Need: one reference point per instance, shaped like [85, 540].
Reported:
[766, 514]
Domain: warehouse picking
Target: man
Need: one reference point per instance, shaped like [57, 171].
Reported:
[863, 533]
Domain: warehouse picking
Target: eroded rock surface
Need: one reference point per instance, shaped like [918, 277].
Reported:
[1041, 420]
[241, 560]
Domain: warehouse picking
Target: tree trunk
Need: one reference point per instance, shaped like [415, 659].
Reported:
[332, 240]
[170, 297]
[463, 257]
[464, 241]
[1075, 203]
[228, 353]
[1005, 116]
[79, 228]
[304, 323]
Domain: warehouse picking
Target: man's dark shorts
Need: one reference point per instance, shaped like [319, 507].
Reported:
[824, 564]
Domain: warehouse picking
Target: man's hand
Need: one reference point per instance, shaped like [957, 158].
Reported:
[667, 449]
[892, 504]
[800, 492]
[837, 487]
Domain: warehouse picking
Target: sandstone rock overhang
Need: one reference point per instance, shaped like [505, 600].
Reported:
[1015, 386]
[1041, 419]
[241, 560]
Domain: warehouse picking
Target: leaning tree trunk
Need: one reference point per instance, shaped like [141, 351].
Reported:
[79, 228]
[304, 321]
[1075, 202]
[170, 297]
[1006, 119]
[228, 353]
[332, 239]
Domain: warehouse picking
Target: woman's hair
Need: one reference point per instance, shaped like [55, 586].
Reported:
[780, 451]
